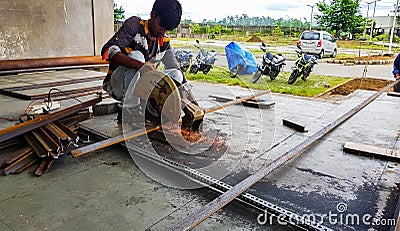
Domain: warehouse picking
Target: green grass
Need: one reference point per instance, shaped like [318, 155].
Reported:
[314, 85]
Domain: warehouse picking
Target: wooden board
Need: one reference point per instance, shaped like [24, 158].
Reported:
[374, 151]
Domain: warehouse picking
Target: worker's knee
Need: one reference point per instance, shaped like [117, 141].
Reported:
[176, 75]
[137, 55]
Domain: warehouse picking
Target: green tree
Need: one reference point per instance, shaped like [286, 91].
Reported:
[118, 13]
[341, 16]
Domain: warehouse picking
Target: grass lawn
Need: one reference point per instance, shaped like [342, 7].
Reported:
[314, 85]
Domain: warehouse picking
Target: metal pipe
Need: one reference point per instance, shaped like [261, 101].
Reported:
[20, 64]
[206, 211]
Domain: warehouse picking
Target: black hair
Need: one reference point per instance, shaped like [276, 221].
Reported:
[169, 11]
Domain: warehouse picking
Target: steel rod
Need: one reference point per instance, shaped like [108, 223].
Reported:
[18, 64]
[111, 141]
[121, 138]
[27, 126]
[206, 211]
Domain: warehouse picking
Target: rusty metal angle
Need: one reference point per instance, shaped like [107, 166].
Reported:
[206, 211]
[27, 126]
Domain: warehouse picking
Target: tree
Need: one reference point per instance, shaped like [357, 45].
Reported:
[118, 13]
[341, 16]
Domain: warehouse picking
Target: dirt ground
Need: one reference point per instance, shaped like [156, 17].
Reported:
[255, 39]
[370, 58]
[359, 83]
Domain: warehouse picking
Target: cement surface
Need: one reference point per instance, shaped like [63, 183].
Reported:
[105, 190]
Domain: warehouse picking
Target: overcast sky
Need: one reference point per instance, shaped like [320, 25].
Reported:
[218, 9]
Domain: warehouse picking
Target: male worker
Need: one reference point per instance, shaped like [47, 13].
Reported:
[138, 41]
[396, 72]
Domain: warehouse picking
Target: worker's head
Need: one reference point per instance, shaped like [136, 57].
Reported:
[165, 16]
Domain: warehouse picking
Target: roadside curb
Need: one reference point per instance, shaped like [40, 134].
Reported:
[361, 62]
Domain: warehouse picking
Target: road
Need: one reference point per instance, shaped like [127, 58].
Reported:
[323, 68]
[330, 69]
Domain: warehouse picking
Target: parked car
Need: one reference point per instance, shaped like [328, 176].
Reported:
[319, 43]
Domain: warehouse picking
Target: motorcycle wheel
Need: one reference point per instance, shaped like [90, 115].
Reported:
[256, 76]
[194, 69]
[273, 75]
[185, 68]
[205, 71]
[293, 76]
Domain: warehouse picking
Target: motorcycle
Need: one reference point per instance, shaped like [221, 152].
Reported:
[302, 67]
[204, 60]
[271, 65]
[184, 58]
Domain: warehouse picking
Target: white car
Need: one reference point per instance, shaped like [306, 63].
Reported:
[319, 43]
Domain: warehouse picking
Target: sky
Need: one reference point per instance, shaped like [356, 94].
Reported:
[218, 9]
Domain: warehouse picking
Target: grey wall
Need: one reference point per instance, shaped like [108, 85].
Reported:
[54, 28]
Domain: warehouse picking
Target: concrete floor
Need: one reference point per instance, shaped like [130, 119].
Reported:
[106, 190]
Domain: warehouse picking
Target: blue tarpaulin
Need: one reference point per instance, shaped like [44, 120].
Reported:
[238, 56]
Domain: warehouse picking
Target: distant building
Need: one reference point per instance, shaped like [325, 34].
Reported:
[184, 31]
[383, 25]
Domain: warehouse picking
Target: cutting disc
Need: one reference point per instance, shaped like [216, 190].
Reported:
[161, 96]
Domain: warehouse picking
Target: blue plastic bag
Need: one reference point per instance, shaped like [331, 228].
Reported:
[241, 58]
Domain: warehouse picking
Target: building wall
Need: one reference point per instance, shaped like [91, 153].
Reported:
[56, 28]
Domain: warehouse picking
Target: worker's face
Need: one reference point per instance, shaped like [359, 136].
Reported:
[155, 29]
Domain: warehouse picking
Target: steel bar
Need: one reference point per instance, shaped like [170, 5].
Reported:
[26, 164]
[206, 211]
[35, 145]
[67, 131]
[55, 132]
[237, 101]
[7, 65]
[18, 164]
[111, 141]
[121, 138]
[17, 154]
[21, 128]
[9, 143]
[44, 166]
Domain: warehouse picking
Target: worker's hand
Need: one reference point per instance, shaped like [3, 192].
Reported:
[397, 76]
[146, 68]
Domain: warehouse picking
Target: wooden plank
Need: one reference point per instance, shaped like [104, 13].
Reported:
[295, 126]
[374, 151]
[206, 211]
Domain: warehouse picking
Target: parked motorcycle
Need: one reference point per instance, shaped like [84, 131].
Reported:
[302, 67]
[271, 65]
[184, 58]
[204, 60]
